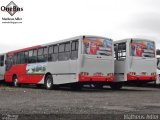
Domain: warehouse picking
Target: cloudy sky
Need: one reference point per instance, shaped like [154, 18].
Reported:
[51, 20]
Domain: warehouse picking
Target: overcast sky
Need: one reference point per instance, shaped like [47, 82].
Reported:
[51, 20]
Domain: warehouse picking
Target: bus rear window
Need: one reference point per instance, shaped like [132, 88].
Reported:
[97, 46]
[140, 48]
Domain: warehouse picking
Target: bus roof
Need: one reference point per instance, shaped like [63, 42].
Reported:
[129, 39]
[73, 38]
[52, 43]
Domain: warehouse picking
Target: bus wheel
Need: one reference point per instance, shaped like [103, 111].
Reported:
[15, 82]
[116, 86]
[49, 82]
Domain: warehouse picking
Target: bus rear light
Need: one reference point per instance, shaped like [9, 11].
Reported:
[110, 74]
[154, 73]
[84, 73]
[98, 74]
[84, 76]
[144, 73]
[132, 73]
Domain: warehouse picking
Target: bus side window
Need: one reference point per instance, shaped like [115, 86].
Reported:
[67, 51]
[26, 56]
[32, 56]
[50, 53]
[61, 55]
[121, 51]
[2, 60]
[22, 58]
[15, 58]
[45, 54]
[18, 58]
[40, 55]
[74, 50]
[9, 62]
[53, 53]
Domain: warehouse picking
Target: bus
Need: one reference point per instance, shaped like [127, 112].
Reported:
[2, 66]
[135, 61]
[158, 70]
[75, 61]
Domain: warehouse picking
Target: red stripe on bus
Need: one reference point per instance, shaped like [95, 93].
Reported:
[95, 78]
[24, 49]
[133, 77]
[23, 77]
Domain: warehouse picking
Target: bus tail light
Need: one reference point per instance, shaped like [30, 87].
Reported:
[154, 73]
[110, 74]
[84, 74]
[98, 74]
[132, 73]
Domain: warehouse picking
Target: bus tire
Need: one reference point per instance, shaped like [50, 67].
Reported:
[116, 86]
[49, 82]
[15, 81]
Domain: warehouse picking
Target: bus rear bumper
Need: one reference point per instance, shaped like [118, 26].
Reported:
[96, 78]
[141, 78]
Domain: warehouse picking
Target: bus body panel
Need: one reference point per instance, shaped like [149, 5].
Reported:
[21, 72]
[97, 69]
[120, 68]
[63, 71]
[147, 66]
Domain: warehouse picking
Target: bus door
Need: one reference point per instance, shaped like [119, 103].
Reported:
[120, 61]
[74, 58]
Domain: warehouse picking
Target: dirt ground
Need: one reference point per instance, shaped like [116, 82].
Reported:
[29, 102]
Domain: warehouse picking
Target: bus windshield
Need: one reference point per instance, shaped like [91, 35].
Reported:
[140, 48]
[97, 46]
